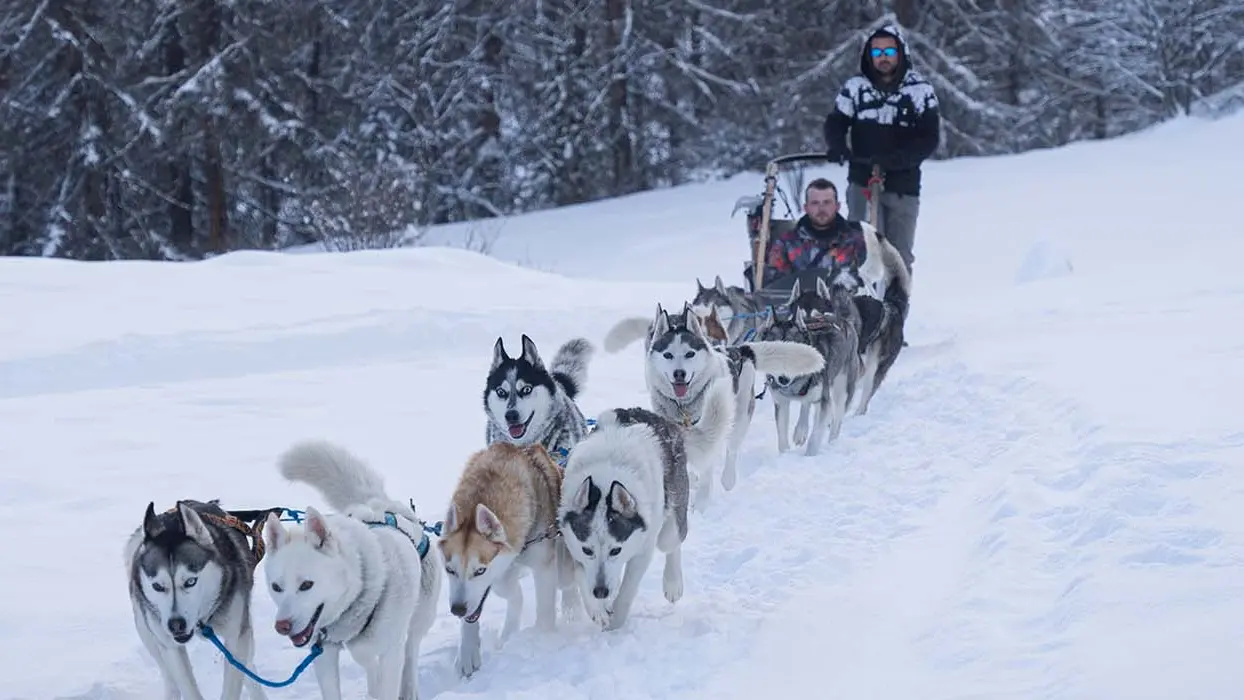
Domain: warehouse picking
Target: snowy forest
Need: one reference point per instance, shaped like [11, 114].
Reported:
[176, 129]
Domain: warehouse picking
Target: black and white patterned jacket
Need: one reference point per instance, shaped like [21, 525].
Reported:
[897, 125]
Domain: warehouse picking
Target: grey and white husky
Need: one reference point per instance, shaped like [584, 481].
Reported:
[741, 312]
[885, 315]
[684, 370]
[527, 403]
[624, 497]
[828, 321]
[188, 567]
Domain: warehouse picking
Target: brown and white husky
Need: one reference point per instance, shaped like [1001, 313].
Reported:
[502, 520]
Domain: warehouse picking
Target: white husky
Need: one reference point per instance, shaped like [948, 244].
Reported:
[684, 368]
[367, 579]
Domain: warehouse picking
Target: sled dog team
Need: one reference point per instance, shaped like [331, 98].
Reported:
[583, 509]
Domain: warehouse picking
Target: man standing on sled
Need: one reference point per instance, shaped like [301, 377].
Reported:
[892, 114]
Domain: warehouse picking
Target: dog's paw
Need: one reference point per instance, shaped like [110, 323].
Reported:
[469, 661]
[801, 434]
[617, 619]
[671, 584]
[601, 615]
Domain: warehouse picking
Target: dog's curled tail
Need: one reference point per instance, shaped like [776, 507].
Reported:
[625, 332]
[569, 365]
[785, 357]
[342, 478]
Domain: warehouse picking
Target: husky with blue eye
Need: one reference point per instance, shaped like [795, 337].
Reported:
[191, 566]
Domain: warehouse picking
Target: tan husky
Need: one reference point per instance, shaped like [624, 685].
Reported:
[503, 518]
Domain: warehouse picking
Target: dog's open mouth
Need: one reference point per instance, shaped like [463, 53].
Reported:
[183, 638]
[517, 430]
[479, 610]
[300, 639]
[680, 388]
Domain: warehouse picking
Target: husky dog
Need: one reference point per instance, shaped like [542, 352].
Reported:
[503, 519]
[713, 327]
[827, 320]
[528, 403]
[683, 368]
[365, 579]
[188, 567]
[624, 496]
[740, 311]
[884, 316]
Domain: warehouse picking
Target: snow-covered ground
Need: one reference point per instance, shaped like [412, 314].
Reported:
[1041, 502]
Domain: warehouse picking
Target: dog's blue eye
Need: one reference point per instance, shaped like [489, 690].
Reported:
[158, 587]
[669, 355]
[276, 587]
[615, 551]
[588, 551]
[501, 392]
[306, 585]
[524, 391]
[690, 354]
[190, 582]
[480, 571]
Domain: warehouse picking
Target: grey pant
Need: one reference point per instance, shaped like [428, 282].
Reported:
[897, 218]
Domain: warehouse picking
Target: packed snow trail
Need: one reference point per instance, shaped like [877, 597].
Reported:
[1041, 503]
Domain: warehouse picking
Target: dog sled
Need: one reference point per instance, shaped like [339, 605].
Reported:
[763, 226]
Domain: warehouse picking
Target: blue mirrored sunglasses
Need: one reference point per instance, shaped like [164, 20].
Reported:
[889, 51]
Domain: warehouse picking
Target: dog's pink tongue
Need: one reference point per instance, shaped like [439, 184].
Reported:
[680, 390]
[516, 431]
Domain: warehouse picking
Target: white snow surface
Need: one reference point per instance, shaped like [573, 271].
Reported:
[1043, 501]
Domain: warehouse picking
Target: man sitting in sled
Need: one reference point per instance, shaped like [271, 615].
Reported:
[821, 240]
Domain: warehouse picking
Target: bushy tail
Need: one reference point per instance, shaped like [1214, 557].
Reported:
[784, 357]
[343, 479]
[627, 331]
[569, 366]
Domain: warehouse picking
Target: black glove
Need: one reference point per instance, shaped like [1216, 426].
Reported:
[837, 156]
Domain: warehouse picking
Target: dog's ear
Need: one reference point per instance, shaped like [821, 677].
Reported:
[274, 533]
[318, 533]
[661, 322]
[489, 525]
[151, 524]
[801, 319]
[621, 501]
[693, 322]
[583, 497]
[530, 354]
[498, 353]
[822, 289]
[794, 292]
[720, 286]
[451, 519]
[194, 526]
[699, 286]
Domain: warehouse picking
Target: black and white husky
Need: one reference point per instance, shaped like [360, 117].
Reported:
[624, 498]
[826, 319]
[192, 566]
[684, 371]
[528, 403]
